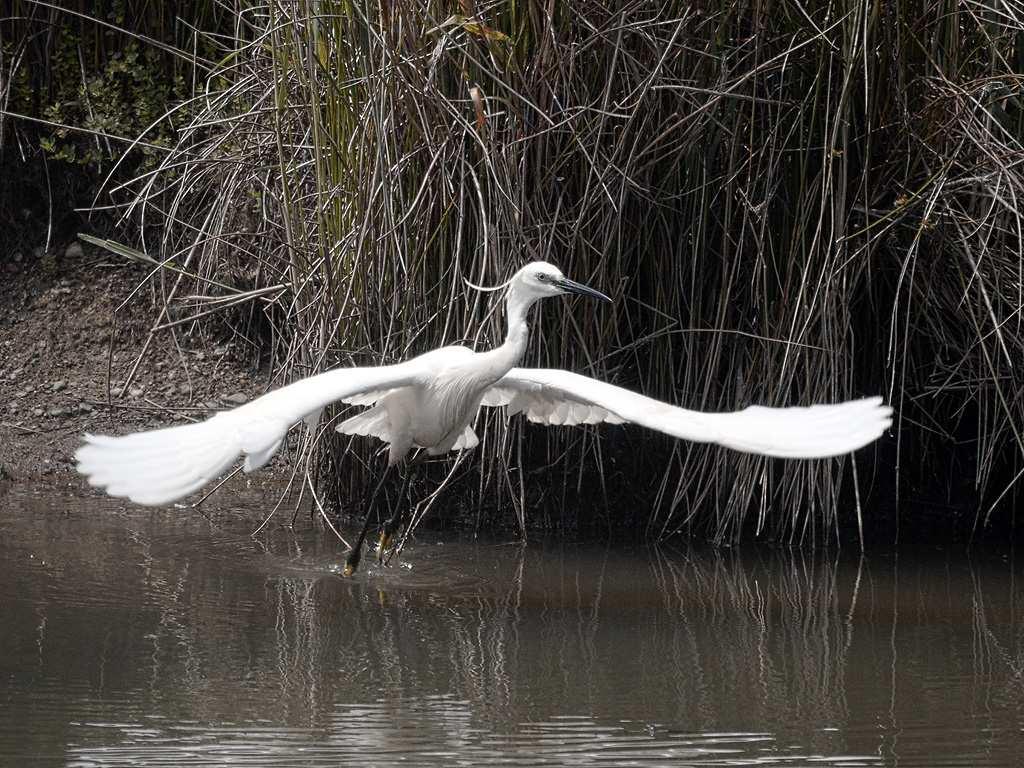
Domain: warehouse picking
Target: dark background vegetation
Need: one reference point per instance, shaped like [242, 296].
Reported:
[789, 203]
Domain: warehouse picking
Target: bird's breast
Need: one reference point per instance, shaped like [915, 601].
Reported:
[442, 410]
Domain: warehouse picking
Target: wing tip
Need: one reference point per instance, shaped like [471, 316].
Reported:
[157, 467]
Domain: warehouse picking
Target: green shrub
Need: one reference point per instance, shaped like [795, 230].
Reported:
[76, 89]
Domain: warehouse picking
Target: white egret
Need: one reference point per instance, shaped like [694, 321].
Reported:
[431, 402]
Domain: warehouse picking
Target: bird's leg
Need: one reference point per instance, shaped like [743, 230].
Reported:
[395, 520]
[356, 553]
[394, 523]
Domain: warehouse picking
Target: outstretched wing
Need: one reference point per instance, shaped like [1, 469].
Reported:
[164, 465]
[551, 396]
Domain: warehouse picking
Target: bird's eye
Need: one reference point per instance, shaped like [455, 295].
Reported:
[542, 277]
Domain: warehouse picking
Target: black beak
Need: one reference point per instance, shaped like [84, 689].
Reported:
[570, 286]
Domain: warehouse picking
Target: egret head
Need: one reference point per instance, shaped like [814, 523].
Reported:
[540, 279]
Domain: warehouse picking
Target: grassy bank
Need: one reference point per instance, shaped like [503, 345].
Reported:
[788, 203]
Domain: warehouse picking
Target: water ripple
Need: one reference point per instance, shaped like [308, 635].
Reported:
[150, 639]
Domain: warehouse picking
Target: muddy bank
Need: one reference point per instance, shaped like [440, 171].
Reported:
[72, 327]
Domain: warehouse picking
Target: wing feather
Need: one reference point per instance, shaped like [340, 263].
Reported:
[551, 396]
[365, 398]
[163, 465]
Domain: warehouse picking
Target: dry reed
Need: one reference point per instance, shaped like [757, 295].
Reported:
[789, 204]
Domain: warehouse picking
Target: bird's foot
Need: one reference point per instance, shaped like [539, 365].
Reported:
[387, 536]
[352, 561]
[383, 545]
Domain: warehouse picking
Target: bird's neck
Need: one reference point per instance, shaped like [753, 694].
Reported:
[507, 356]
[517, 307]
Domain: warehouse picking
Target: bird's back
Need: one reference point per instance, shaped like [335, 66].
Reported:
[434, 413]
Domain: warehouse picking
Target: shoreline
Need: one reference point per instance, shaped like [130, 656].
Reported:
[69, 324]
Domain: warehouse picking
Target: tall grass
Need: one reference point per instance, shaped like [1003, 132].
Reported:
[790, 203]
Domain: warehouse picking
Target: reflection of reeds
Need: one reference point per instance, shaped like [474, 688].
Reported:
[139, 616]
[712, 639]
[780, 622]
[803, 646]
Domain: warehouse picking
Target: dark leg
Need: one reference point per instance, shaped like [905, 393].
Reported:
[397, 519]
[394, 522]
[356, 553]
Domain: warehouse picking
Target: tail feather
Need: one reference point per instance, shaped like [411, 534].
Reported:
[373, 422]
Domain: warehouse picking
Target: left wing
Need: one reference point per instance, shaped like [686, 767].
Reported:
[551, 396]
[164, 465]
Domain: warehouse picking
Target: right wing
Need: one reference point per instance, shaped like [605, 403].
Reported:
[164, 465]
[552, 396]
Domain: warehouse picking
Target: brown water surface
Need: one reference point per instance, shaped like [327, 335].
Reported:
[136, 638]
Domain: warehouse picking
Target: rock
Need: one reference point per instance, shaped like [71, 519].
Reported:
[37, 411]
[136, 391]
[74, 250]
[238, 398]
[213, 405]
[220, 350]
[38, 252]
[57, 386]
[53, 412]
[17, 257]
[85, 407]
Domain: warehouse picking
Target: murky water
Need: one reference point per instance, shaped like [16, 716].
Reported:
[136, 638]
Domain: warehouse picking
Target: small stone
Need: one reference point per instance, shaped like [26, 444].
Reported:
[53, 412]
[38, 252]
[136, 391]
[85, 407]
[57, 386]
[213, 405]
[237, 398]
[74, 251]
[37, 411]
[17, 257]
[221, 349]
